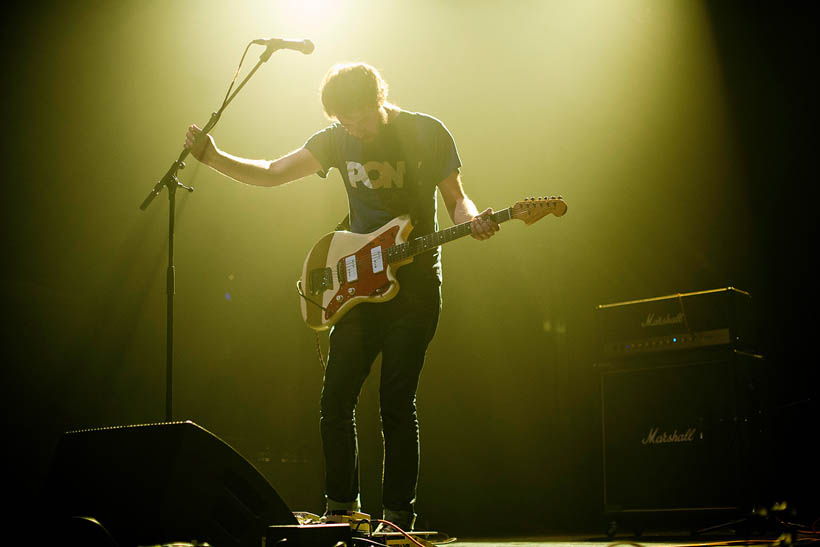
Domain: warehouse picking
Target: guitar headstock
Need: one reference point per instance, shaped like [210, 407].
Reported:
[534, 209]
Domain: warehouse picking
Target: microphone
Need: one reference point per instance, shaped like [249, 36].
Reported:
[305, 46]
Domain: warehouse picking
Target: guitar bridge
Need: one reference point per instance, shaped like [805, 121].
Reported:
[321, 279]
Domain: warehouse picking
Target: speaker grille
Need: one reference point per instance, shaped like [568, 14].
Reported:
[676, 432]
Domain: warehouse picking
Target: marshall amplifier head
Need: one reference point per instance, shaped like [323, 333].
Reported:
[719, 317]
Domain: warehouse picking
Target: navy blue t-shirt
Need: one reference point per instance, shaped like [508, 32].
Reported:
[395, 174]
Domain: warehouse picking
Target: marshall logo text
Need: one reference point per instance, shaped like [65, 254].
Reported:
[653, 320]
[657, 437]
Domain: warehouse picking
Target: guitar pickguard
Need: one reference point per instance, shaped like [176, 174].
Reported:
[363, 274]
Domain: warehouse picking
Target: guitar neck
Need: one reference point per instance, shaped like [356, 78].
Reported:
[428, 242]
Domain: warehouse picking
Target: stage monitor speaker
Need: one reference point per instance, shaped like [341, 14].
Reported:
[161, 483]
[682, 431]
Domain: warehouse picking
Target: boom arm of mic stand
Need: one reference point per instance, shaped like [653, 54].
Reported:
[170, 178]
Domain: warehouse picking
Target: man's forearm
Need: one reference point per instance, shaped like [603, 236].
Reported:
[463, 210]
[247, 171]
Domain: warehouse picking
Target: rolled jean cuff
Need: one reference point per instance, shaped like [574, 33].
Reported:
[333, 505]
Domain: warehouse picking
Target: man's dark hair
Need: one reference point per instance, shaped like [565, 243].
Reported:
[350, 87]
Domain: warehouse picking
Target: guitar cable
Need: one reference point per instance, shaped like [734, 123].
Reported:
[302, 294]
[318, 341]
[319, 351]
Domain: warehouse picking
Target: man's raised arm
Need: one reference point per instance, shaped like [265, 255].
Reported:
[296, 165]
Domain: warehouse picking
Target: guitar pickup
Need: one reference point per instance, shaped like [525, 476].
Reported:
[351, 269]
[321, 279]
[376, 260]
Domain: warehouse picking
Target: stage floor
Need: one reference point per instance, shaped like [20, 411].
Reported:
[555, 542]
[666, 540]
[581, 542]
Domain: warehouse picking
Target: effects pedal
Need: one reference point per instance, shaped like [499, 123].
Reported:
[359, 522]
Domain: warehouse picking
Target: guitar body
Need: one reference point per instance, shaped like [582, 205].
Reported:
[344, 269]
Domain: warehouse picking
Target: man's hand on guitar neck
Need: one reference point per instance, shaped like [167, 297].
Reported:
[462, 209]
[483, 226]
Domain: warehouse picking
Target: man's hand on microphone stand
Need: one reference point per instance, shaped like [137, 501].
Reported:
[200, 147]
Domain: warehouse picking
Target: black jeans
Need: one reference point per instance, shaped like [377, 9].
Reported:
[400, 330]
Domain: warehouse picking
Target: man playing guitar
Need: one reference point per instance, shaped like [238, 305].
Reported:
[391, 162]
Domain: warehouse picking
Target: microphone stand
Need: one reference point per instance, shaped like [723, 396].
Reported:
[171, 182]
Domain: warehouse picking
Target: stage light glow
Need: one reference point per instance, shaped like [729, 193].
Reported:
[298, 19]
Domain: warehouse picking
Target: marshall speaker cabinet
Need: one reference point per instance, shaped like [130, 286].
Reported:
[682, 404]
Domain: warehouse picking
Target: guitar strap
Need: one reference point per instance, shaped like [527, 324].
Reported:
[344, 224]
[411, 145]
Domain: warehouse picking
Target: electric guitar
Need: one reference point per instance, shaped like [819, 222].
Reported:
[344, 269]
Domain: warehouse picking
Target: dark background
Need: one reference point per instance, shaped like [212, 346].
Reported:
[509, 399]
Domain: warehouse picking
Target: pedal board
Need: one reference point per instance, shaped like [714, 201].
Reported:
[309, 535]
[342, 527]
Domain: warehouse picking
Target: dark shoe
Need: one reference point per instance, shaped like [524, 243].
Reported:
[401, 519]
